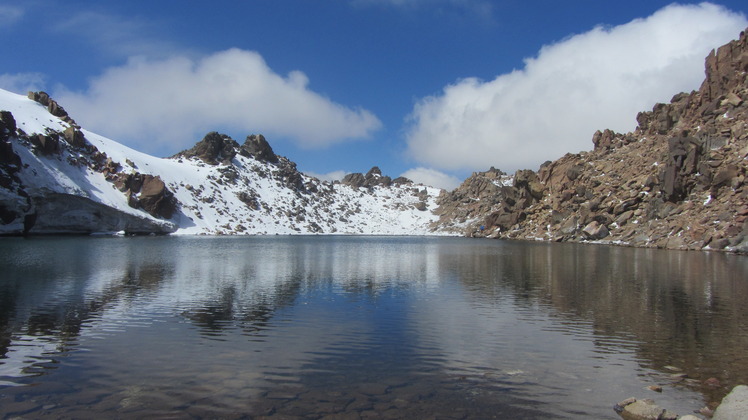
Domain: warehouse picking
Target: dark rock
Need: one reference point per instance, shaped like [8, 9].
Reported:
[355, 180]
[155, 198]
[74, 137]
[45, 144]
[213, 149]
[256, 145]
[7, 125]
[401, 180]
[373, 172]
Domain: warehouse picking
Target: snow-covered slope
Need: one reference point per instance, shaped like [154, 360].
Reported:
[58, 178]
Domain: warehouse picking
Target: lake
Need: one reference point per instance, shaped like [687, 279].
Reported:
[342, 327]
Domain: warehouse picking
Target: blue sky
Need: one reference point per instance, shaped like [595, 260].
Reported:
[433, 89]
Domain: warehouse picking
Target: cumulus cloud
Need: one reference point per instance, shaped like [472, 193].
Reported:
[595, 80]
[432, 177]
[166, 104]
[22, 82]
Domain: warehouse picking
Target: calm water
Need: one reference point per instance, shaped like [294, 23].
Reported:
[361, 327]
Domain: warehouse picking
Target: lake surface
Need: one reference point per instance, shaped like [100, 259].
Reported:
[362, 327]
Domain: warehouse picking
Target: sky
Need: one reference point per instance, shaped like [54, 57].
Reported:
[429, 89]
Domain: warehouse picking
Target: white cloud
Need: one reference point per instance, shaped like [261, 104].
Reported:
[112, 35]
[432, 177]
[22, 82]
[596, 80]
[10, 15]
[330, 176]
[170, 103]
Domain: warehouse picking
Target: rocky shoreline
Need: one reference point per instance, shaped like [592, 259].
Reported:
[677, 182]
[733, 407]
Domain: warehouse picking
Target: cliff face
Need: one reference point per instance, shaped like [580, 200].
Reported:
[678, 181]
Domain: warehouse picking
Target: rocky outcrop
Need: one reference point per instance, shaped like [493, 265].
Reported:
[256, 146]
[52, 106]
[147, 192]
[213, 149]
[677, 181]
[372, 179]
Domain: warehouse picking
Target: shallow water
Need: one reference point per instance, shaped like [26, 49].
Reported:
[362, 327]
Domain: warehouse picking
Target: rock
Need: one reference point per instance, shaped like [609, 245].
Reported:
[8, 156]
[640, 410]
[155, 198]
[734, 406]
[7, 125]
[256, 145]
[712, 383]
[355, 180]
[373, 172]
[71, 214]
[213, 149]
[45, 144]
[401, 180]
[41, 97]
[74, 137]
[595, 231]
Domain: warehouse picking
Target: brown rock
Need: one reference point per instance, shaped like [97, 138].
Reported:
[595, 231]
[155, 198]
[74, 137]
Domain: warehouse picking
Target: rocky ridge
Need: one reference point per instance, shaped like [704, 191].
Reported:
[64, 179]
[678, 181]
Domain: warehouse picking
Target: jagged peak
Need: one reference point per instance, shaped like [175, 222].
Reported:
[213, 149]
[255, 145]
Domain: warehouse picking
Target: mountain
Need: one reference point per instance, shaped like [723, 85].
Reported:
[56, 177]
[677, 181]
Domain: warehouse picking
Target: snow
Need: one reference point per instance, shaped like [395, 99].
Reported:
[209, 195]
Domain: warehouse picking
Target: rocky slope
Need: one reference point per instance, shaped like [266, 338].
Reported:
[58, 178]
[678, 181]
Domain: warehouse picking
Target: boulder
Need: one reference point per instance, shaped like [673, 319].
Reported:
[74, 137]
[646, 409]
[155, 198]
[7, 125]
[45, 144]
[595, 231]
[734, 406]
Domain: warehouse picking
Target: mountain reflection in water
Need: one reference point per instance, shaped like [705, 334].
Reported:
[362, 326]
